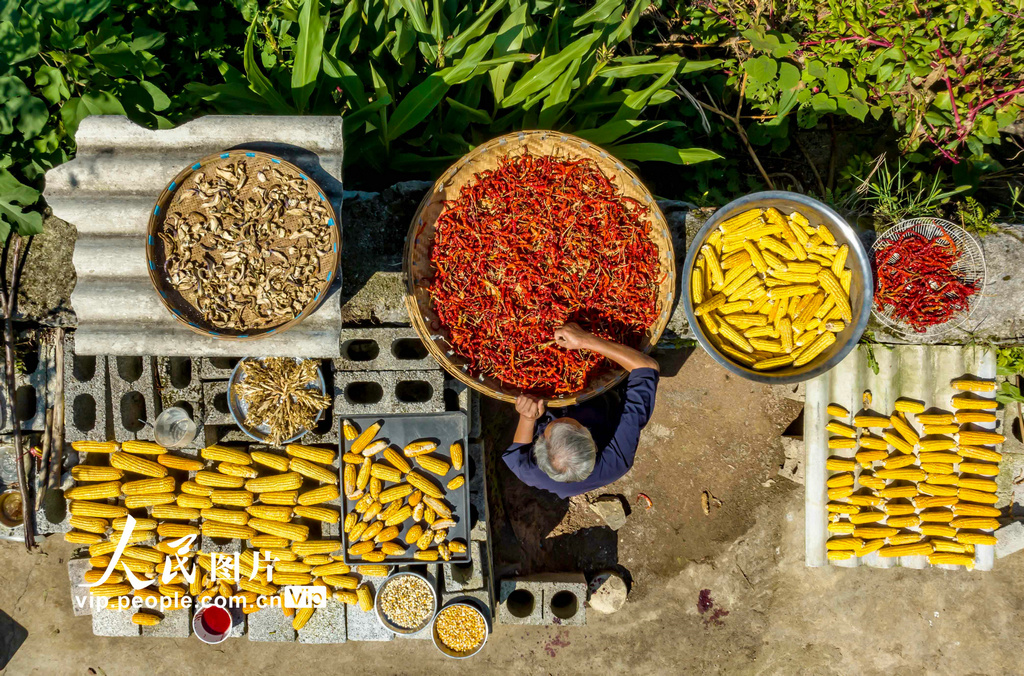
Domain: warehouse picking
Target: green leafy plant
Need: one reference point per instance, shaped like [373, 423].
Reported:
[974, 218]
[1010, 361]
[903, 192]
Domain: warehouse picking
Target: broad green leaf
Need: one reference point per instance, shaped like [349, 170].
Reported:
[547, 70]
[853, 107]
[184, 5]
[419, 22]
[559, 95]
[380, 91]
[350, 82]
[418, 103]
[354, 119]
[33, 114]
[81, 11]
[637, 101]
[509, 40]
[600, 12]
[257, 80]
[761, 70]
[613, 131]
[789, 76]
[822, 103]
[308, 49]
[91, 103]
[17, 45]
[627, 25]
[837, 81]
[660, 152]
[662, 65]
[466, 67]
[14, 195]
[455, 46]
[160, 100]
[234, 98]
[437, 27]
[472, 113]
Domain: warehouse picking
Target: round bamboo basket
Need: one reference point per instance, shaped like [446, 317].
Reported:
[419, 271]
[180, 308]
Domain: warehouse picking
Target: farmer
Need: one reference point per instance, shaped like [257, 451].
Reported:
[593, 443]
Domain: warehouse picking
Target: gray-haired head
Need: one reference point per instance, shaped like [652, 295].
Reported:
[566, 452]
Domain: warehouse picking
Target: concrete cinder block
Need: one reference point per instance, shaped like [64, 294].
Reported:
[270, 624]
[79, 594]
[118, 623]
[1010, 539]
[31, 389]
[383, 349]
[520, 601]
[460, 397]
[388, 392]
[565, 597]
[481, 596]
[133, 396]
[210, 545]
[224, 434]
[327, 624]
[466, 576]
[176, 624]
[179, 385]
[86, 395]
[365, 626]
[215, 403]
[217, 368]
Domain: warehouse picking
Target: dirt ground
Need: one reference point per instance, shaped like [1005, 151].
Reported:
[721, 594]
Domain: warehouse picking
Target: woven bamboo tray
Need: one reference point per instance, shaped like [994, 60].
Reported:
[182, 310]
[419, 271]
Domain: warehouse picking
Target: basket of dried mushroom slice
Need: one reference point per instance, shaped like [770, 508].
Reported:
[242, 244]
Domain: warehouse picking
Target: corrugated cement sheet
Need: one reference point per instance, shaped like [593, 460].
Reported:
[108, 191]
[921, 372]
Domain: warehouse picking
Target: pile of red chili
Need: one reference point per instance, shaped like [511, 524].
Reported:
[530, 245]
[915, 280]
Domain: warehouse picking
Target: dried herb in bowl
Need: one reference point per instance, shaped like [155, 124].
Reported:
[278, 393]
[530, 245]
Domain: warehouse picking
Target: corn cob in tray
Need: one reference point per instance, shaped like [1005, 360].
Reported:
[915, 483]
[278, 502]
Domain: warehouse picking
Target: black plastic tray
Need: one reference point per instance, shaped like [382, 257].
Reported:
[399, 430]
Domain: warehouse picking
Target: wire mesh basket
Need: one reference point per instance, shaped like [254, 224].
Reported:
[970, 266]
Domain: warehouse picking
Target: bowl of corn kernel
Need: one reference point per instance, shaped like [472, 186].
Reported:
[460, 629]
[777, 287]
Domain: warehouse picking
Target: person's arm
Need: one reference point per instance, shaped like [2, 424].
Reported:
[572, 337]
[530, 409]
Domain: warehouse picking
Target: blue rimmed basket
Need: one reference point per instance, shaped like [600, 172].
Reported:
[419, 271]
[180, 308]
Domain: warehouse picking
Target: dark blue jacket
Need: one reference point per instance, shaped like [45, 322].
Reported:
[616, 433]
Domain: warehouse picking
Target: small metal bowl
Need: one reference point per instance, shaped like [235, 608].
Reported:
[468, 602]
[7, 500]
[861, 287]
[239, 408]
[382, 616]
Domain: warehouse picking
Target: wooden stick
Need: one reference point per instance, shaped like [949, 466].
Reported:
[57, 451]
[43, 466]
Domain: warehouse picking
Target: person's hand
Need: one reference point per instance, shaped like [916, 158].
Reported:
[572, 337]
[529, 407]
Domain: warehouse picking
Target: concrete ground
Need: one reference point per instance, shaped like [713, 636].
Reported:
[726, 593]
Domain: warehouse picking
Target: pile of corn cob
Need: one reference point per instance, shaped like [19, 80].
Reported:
[771, 291]
[265, 498]
[933, 494]
[373, 527]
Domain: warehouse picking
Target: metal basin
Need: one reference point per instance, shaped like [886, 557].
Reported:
[861, 286]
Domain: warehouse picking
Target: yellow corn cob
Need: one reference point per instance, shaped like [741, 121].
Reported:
[319, 495]
[231, 516]
[773, 362]
[456, 482]
[934, 489]
[364, 503]
[865, 500]
[943, 444]
[395, 493]
[273, 461]
[107, 589]
[897, 461]
[375, 487]
[82, 538]
[386, 534]
[291, 531]
[865, 420]
[165, 485]
[916, 549]
[102, 510]
[360, 548]
[954, 559]
[455, 451]
[192, 488]
[905, 430]
[398, 517]
[374, 448]
[218, 480]
[148, 500]
[974, 403]
[953, 547]
[147, 554]
[140, 524]
[869, 547]
[985, 485]
[906, 474]
[837, 443]
[425, 539]
[937, 468]
[95, 574]
[257, 587]
[313, 471]
[315, 547]
[217, 529]
[835, 544]
[392, 549]
[837, 411]
[277, 482]
[226, 454]
[350, 521]
[908, 521]
[375, 556]
[349, 479]
[271, 512]
[334, 568]
[193, 501]
[322, 456]
[425, 555]
[925, 502]
[233, 498]
[897, 492]
[365, 598]
[943, 479]
[414, 534]
[940, 457]
[322, 514]
[872, 442]
[363, 477]
[872, 532]
[347, 597]
[968, 509]
[934, 418]
[101, 491]
[895, 509]
[268, 541]
[976, 522]
[243, 471]
[977, 496]
[940, 429]
[365, 438]
[841, 429]
[839, 480]
[142, 448]
[938, 530]
[898, 442]
[371, 531]
[976, 453]
[937, 516]
[424, 484]
[340, 580]
[984, 469]
[279, 497]
[964, 417]
[457, 547]
[871, 481]
[840, 555]
[95, 473]
[348, 429]
[975, 538]
[866, 517]
[909, 406]
[432, 464]
[176, 530]
[95, 446]
[285, 579]
[840, 465]
[318, 559]
[168, 511]
[965, 385]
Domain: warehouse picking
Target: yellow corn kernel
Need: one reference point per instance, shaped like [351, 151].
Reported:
[915, 549]
[905, 474]
[232, 498]
[928, 501]
[934, 418]
[964, 417]
[935, 489]
[275, 483]
[865, 458]
[837, 544]
[95, 473]
[840, 464]
[968, 538]
[974, 403]
[219, 453]
[275, 462]
[98, 509]
[839, 480]
[867, 517]
[871, 481]
[217, 529]
[984, 469]
[315, 547]
[905, 430]
[177, 530]
[937, 516]
[897, 461]
[908, 521]
[319, 495]
[100, 491]
[322, 514]
[142, 448]
[193, 488]
[292, 531]
[148, 500]
[969, 509]
[873, 532]
[95, 446]
[897, 492]
[288, 498]
[218, 480]
[969, 495]
[841, 429]
[896, 509]
[866, 420]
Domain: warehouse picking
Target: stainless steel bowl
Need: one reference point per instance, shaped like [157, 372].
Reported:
[382, 616]
[472, 604]
[861, 286]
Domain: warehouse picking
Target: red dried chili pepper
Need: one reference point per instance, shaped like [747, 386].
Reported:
[916, 277]
[535, 243]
